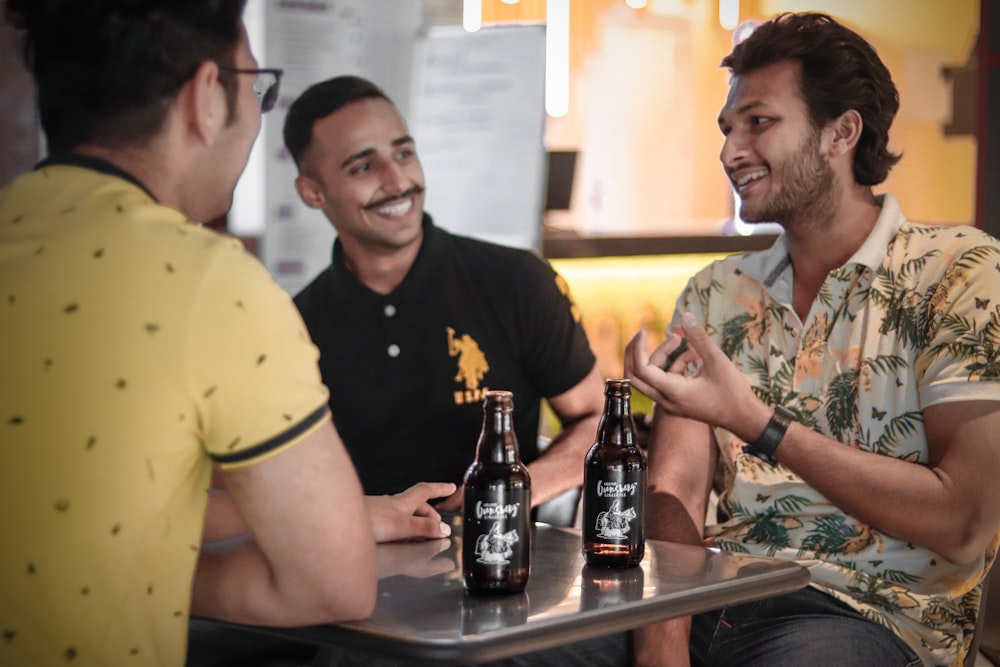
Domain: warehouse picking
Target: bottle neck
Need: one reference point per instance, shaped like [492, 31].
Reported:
[616, 426]
[497, 442]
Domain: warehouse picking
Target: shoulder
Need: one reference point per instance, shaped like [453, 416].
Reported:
[942, 245]
[316, 293]
[480, 255]
[726, 268]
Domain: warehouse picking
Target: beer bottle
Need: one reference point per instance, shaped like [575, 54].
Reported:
[614, 486]
[496, 521]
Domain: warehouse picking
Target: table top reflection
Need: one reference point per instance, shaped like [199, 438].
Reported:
[423, 611]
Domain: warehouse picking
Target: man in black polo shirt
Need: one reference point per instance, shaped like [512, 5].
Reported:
[414, 324]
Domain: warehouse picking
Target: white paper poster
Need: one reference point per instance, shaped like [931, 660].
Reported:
[474, 103]
[479, 123]
[314, 40]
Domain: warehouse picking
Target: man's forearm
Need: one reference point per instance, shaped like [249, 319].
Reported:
[560, 466]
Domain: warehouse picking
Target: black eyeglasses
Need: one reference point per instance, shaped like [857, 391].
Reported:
[265, 86]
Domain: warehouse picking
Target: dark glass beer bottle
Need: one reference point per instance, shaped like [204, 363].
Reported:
[496, 520]
[614, 486]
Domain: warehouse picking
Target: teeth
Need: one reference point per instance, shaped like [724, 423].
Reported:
[399, 208]
[743, 180]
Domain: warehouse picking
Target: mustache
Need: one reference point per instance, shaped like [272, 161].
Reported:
[415, 190]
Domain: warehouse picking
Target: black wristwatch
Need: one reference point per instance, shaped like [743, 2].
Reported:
[765, 446]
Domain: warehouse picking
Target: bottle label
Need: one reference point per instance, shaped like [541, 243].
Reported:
[615, 523]
[614, 506]
[495, 528]
[497, 546]
[487, 510]
[606, 489]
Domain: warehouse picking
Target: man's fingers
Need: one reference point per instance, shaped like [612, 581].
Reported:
[429, 528]
[429, 490]
[669, 352]
[452, 503]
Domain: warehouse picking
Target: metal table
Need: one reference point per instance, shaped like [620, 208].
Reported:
[423, 612]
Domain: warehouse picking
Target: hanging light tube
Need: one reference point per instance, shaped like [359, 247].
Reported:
[557, 57]
[472, 15]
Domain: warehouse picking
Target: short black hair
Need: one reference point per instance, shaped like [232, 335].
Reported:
[106, 70]
[319, 101]
[839, 71]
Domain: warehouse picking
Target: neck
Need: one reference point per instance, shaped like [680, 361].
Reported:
[147, 165]
[381, 270]
[826, 244]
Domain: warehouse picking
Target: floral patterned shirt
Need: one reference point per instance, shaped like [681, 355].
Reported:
[911, 320]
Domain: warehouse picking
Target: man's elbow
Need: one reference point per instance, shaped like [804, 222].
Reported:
[342, 599]
[353, 591]
[353, 605]
[967, 542]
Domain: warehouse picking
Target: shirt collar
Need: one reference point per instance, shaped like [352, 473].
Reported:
[94, 164]
[771, 264]
[430, 248]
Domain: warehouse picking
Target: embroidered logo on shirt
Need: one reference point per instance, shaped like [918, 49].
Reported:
[472, 367]
[563, 287]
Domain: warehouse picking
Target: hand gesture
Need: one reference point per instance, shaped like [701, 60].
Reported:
[455, 501]
[408, 515]
[702, 383]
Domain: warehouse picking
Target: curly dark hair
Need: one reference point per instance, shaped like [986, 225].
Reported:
[106, 70]
[319, 101]
[839, 71]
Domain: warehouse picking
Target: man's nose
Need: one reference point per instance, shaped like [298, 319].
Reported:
[734, 149]
[395, 178]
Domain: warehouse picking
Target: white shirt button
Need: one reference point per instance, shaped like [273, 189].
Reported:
[389, 310]
[393, 350]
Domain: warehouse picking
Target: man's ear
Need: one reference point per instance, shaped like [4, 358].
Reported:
[204, 101]
[310, 191]
[846, 132]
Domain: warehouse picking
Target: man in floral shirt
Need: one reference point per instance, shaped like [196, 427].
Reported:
[839, 389]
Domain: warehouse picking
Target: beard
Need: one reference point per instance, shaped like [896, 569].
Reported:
[807, 188]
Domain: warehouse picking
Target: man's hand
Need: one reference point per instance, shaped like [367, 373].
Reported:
[408, 515]
[455, 501]
[702, 383]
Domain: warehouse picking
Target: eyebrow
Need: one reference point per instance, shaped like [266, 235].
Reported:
[362, 154]
[739, 111]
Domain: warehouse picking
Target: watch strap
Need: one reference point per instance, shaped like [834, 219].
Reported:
[765, 446]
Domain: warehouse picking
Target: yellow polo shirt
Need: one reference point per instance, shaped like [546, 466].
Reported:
[136, 349]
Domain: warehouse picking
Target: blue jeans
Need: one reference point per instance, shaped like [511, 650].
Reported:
[806, 627]
[609, 651]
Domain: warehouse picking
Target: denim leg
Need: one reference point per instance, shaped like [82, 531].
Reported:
[806, 627]
[609, 651]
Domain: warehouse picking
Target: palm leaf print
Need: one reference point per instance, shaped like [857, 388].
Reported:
[833, 534]
[974, 257]
[700, 294]
[842, 405]
[906, 311]
[978, 347]
[733, 334]
[898, 427]
[881, 594]
[842, 394]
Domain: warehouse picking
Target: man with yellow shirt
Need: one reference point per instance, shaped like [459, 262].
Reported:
[140, 351]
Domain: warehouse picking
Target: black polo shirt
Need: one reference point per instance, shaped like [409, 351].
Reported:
[407, 371]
